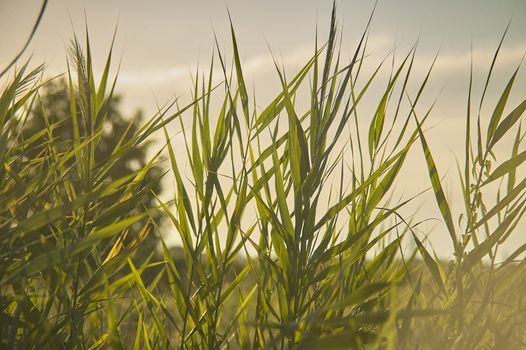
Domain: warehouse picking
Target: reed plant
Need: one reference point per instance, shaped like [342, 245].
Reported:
[291, 236]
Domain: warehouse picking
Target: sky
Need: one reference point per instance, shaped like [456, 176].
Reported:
[160, 44]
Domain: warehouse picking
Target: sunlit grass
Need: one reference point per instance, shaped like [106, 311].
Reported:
[290, 234]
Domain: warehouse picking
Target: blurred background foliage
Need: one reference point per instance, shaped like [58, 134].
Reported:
[54, 102]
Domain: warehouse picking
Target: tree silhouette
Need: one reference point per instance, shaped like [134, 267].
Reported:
[54, 101]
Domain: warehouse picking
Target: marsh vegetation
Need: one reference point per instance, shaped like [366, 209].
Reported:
[290, 235]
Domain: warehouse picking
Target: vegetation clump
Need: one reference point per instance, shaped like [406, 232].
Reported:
[290, 237]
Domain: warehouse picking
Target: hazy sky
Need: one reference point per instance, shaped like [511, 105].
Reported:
[161, 42]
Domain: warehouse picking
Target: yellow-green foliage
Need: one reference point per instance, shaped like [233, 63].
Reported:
[290, 238]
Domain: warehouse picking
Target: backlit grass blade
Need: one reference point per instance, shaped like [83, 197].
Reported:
[431, 264]
[499, 109]
[506, 167]
[437, 188]
[508, 123]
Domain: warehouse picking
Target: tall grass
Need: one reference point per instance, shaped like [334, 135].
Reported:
[291, 237]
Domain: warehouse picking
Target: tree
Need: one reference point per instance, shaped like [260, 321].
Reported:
[54, 108]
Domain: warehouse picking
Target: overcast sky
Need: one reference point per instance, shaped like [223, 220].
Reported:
[162, 41]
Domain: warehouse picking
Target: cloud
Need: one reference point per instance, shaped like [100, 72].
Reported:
[153, 76]
[452, 62]
[261, 62]
[166, 81]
